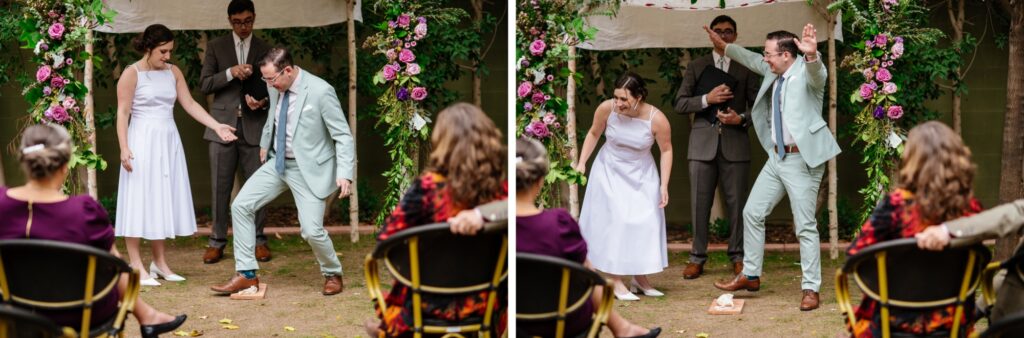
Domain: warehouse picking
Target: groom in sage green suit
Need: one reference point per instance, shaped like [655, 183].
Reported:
[787, 119]
[311, 153]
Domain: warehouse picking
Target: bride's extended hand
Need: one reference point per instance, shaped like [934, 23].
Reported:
[226, 132]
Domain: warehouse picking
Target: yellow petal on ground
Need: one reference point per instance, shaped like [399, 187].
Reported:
[703, 335]
[224, 321]
[180, 333]
[230, 327]
[289, 328]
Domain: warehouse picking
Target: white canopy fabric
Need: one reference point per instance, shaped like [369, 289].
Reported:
[678, 24]
[135, 15]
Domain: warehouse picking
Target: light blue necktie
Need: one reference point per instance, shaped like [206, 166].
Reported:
[780, 145]
[282, 132]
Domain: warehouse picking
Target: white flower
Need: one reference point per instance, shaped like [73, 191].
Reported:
[519, 63]
[36, 49]
[538, 76]
[58, 60]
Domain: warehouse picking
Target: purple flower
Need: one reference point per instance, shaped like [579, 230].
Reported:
[524, 89]
[897, 49]
[879, 112]
[403, 20]
[869, 44]
[406, 56]
[44, 47]
[538, 129]
[537, 47]
[549, 118]
[392, 24]
[524, 62]
[889, 88]
[47, 90]
[421, 20]
[883, 75]
[895, 112]
[867, 91]
[420, 30]
[412, 68]
[880, 40]
[527, 106]
[538, 97]
[57, 82]
[57, 114]
[390, 71]
[868, 74]
[402, 94]
[43, 73]
[419, 93]
[56, 31]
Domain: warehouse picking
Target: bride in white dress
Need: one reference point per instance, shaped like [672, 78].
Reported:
[623, 217]
[154, 200]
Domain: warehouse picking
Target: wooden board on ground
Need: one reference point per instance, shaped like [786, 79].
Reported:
[736, 308]
[244, 295]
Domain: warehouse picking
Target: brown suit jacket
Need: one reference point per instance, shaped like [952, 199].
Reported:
[228, 95]
[703, 144]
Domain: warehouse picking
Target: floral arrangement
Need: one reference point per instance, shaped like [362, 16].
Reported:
[57, 32]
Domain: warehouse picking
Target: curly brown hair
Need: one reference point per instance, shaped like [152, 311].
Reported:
[470, 152]
[936, 167]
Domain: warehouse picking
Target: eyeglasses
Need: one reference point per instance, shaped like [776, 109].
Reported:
[768, 54]
[273, 79]
[246, 23]
[725, 32]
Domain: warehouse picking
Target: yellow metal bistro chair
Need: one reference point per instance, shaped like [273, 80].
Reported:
[550, 288]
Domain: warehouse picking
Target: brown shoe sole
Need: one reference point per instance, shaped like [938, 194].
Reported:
[691, 276]
[808, 309]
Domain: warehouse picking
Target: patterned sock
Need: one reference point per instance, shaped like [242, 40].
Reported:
[249, 274]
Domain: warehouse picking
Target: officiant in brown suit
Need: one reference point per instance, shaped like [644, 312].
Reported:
[239, 100]
[719, 147]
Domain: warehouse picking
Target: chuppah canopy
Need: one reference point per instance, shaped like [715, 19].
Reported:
[135, 15]
[678, 23]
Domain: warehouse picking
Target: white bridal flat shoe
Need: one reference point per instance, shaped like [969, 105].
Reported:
[149, 282]
[170, 278]
[628, 296]
[647, 292]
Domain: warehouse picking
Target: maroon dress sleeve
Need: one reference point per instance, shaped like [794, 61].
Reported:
[98, 228]
[573, 246]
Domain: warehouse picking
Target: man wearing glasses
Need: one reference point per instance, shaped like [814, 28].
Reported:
[307, 148]
[719, 150]
[787, 118]
[239, 100]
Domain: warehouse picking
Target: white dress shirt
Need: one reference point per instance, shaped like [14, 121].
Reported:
[293, 115]
[786, 136]
[241, 51]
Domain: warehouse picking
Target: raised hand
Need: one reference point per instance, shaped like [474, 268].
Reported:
[808, 44]
[226, 132]
[715, 39]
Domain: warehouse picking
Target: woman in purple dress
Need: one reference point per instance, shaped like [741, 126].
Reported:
[40, 210]
[553, 232]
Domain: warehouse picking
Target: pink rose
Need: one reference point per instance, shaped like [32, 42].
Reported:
[57, 82]
[883, 75]
[881, 40]
[391, 55]
[406, 56]
[524, 89]
[56, 31]
[43, 73]
[403, 20]
[538, 129]
[889, 88]
[897, 50]
[412, 69]
[419, 93]
[420, 30]
[549, 118]
[867, 91]
[537, 47]
[57, 114]
[538, 98]
[69, 103]
[390, 71]
[895, 112]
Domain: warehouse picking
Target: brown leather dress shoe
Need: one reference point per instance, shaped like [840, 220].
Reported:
[739, 282]
[213, 255]
[737, 268]
[263, 253]
[333, 285]
[810, 300]
[693, 270]
[237, 283]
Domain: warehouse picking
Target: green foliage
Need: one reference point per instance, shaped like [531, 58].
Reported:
[719, 228]
[848, 217]
[370, 203]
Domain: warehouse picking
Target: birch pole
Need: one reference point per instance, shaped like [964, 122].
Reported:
[353, 205]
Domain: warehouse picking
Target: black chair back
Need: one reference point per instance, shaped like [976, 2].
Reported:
[43, 274]
[18, 323]
[549, 288]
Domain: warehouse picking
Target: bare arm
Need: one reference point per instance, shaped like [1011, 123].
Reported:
[197, 111]
[663, 135]
[125, 94]
[595, 132]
